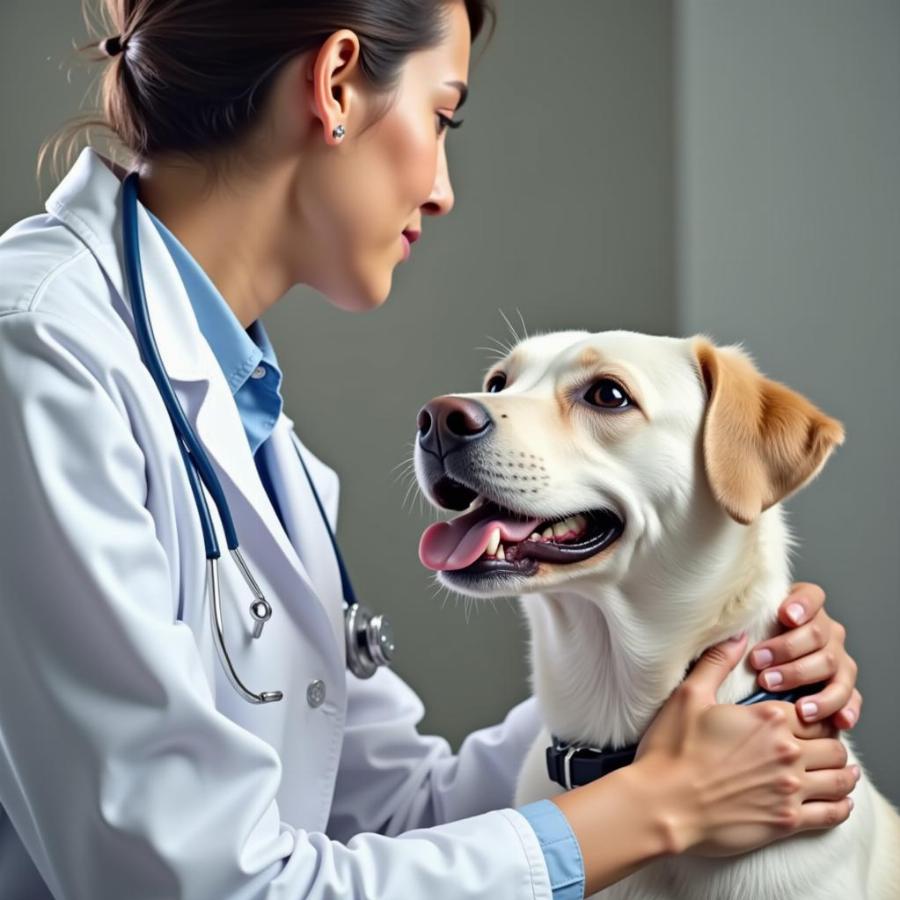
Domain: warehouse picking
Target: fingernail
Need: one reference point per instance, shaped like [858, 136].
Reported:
[856, 772]
[850, 801]
[737, 637]
[773, 679]
[795, 613]
[809, 709]
[762, 658]
[850, 716]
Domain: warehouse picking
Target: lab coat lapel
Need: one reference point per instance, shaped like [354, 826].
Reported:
[88, 201]
[309, 533]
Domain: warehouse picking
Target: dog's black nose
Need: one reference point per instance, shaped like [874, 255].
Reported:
[447, 423]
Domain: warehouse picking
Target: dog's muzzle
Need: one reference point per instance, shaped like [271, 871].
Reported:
[491, 537]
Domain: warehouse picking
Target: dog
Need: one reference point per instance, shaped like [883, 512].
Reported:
[627, 486]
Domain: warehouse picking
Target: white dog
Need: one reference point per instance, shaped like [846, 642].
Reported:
[628, 486]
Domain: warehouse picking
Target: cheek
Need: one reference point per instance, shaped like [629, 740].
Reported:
[407, 162]
[364, 197]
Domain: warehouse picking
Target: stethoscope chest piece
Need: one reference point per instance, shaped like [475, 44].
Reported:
[369, 639]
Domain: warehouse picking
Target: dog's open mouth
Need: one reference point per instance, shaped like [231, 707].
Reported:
[494, 539]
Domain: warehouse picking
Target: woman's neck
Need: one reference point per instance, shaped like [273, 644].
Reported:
[232, 227]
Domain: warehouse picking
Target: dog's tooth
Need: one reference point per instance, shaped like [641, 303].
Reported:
[547, 534]
[534, 537]
[493, 543]
[560, 528]
[501, 553]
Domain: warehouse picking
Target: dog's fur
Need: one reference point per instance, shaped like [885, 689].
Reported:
[696, 472]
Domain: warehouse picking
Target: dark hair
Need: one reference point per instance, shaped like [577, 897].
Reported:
[189, 75]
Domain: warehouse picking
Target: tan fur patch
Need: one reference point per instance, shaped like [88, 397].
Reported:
[762, 441]
[589, 358]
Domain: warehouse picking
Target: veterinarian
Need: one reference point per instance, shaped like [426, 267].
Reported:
[173, 726]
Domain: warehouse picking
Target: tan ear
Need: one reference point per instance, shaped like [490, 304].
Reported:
[761, 440]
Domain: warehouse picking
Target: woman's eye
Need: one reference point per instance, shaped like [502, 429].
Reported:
[447, 122]
[608, 394]
[496, 384]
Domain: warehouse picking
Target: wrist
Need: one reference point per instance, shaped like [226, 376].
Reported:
[670, 798]
[619, 823]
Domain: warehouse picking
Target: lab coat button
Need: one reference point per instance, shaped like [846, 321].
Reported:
[258, 372]
[315, 693]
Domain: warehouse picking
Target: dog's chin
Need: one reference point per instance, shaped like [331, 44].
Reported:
[536, 562]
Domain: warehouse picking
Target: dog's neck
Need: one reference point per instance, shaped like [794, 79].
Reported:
[606, 657]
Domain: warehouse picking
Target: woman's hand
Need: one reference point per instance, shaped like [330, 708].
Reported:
[813, 650]
[730, 778]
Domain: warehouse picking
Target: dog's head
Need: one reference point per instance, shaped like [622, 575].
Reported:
[583, 447]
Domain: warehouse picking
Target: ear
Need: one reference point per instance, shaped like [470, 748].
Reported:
[761, 440]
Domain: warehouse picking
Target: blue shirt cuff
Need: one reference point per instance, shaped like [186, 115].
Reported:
[560, 847]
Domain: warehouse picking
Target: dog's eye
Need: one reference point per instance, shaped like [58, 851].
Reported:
[496, 384]
[608, 394]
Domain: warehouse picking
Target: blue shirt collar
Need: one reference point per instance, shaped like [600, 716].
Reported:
[238, 351]
[246, 357]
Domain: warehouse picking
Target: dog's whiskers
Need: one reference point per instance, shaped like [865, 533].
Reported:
[509, 324]
[522, 320]
[504, 348]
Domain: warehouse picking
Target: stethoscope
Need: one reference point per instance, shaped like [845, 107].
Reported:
[368, 638]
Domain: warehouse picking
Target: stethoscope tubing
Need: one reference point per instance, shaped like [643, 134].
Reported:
[374, 632]
[195, 457]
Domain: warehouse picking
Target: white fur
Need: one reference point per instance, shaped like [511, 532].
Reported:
[612, 637]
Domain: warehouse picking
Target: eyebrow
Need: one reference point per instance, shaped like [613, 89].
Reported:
[463, 91]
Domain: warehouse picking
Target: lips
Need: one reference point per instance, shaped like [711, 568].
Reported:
[411, 234]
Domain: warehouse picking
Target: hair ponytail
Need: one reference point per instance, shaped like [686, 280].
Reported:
[188, 76]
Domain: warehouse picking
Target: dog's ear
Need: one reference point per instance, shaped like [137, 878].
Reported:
[761, 440]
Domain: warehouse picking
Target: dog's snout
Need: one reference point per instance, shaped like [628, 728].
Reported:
[446, 423]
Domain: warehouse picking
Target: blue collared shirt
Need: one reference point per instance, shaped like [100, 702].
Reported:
[247, 358]
[248, 362]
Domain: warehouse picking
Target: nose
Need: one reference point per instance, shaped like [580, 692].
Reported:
[448, 423]
[441, 199]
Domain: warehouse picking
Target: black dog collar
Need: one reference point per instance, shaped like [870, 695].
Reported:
[572, 764]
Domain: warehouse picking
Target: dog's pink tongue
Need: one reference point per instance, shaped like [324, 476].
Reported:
[459, 542]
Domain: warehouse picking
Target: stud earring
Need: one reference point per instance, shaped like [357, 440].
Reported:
[339, 132]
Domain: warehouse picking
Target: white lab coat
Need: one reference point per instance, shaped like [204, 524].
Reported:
[129, 767]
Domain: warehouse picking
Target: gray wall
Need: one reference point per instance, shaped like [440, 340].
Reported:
[789, 240]
[565, 176]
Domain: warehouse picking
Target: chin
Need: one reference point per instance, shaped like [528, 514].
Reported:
[362, 294]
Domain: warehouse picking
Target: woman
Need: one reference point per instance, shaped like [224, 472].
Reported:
[282, 142]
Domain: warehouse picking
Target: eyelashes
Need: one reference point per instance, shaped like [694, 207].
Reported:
[447, 122]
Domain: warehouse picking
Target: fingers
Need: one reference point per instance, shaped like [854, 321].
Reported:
[793, 644]
[823, 753]
[808, 654]
[833, 698]
[829, 784]
[818, 814]
[849, 715]
[712, 667]
[804, 601]
[821, 665]
[799, 728]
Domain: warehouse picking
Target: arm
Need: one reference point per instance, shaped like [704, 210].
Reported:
[119, 774]
[391, 778]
